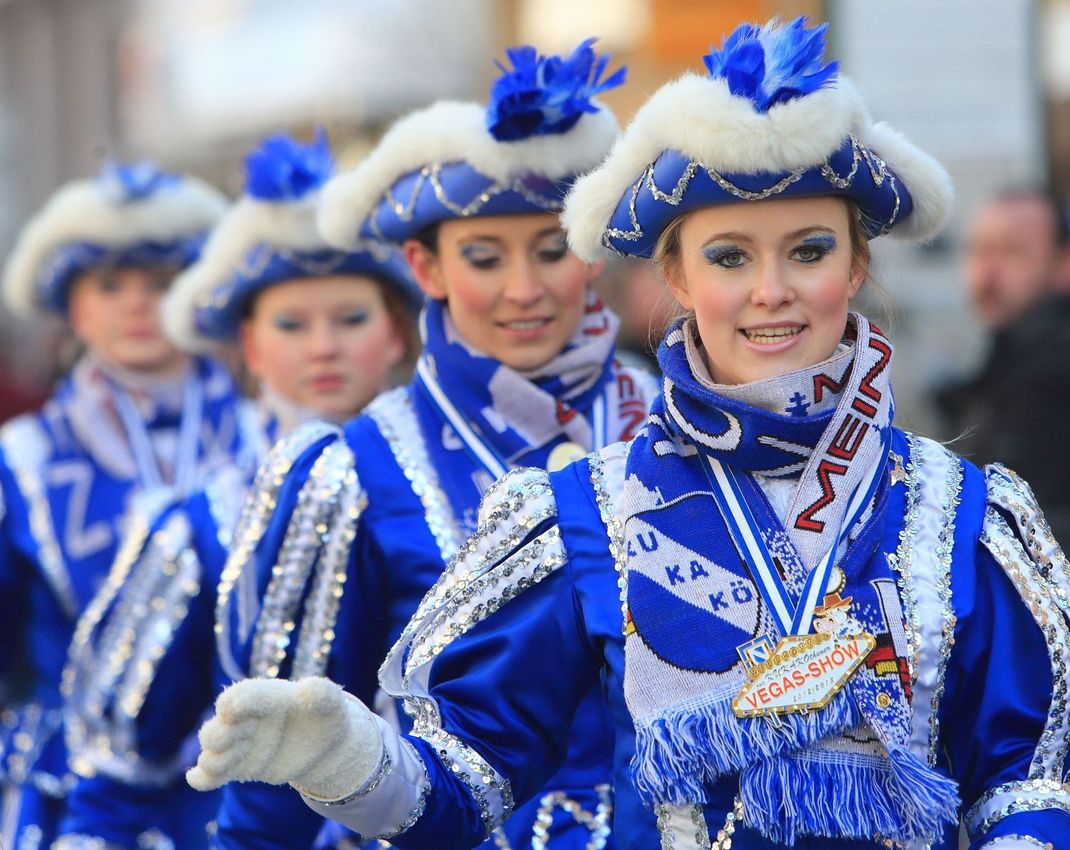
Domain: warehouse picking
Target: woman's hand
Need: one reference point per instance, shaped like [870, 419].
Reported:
[310, 734]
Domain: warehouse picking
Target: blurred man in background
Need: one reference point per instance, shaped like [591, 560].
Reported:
[1017, 408]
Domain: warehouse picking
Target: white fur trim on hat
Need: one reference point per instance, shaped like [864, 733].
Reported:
[290, 225]
[451, 131]
[78, 212]
[702, 119]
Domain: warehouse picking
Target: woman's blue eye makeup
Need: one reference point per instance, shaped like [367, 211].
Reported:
[480, 256]
[815, 248]
[357, 317]
[552, 250]
[286, 323]
[727, 256]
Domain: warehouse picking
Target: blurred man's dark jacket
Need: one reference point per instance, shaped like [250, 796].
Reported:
[1017, 409]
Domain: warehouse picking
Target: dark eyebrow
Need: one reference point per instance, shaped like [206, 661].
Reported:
[484, 238]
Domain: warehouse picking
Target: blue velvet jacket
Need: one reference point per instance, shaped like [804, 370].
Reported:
[344, 533]
[529, 618]
[64, 498]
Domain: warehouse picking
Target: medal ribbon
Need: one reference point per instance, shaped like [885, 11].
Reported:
[477, 448]
[792, 618]
[185, 471]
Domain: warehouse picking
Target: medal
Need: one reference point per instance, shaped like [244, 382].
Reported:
[564, 454]
[802, 671]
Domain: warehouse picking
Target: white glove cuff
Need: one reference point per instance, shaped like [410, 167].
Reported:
[391, 799]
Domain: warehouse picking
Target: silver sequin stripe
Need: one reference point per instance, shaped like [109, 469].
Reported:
[256, 514]
[491, 791]
[393, 414]
[901, 560]
[878, 171]
[485, 595]
[421, 803]
[1026, 795]
[373, 782]
[513, 506]
[603, 465]
[432, 174]
[996, 535]
[313, 648]
[1019, 839]
[80, 682]
[26, 448]
[598, 823]
[317, 502]
[1007, 490]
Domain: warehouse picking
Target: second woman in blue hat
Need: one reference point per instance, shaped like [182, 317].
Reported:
[518, 369]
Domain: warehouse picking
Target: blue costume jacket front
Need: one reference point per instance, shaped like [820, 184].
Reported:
[63, 496]
[984, 592]
[337, 610]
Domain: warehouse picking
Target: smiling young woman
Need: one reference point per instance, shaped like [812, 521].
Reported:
[814, 630]
[517, 370]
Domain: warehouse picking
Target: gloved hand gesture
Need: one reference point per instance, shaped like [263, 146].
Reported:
[310, 734]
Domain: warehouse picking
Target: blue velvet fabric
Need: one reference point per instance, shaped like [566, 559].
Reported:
[219, 317]
[74, 258]
[455, 190]
[568, 626]
[394, 560]
[85, 502]
[881, 198]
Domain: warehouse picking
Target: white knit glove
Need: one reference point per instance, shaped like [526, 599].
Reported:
[309, 733]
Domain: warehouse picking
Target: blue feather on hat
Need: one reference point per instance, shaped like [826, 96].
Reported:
[282, 169]
[545, 95]
[774, 63]
[122, 183]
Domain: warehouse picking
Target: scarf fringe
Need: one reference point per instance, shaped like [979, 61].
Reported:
[901, 799]
[669, 748]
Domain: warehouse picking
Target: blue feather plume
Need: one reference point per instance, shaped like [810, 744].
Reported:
[774, 63]
[282, 169]
[122, 182]
[545, 95]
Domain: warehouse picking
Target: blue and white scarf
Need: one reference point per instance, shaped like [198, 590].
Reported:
[844, 770]
[519, 416]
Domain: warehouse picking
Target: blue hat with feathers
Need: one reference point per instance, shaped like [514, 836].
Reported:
[771, 119]
[518, 154]
[129, 214]
[267, 237]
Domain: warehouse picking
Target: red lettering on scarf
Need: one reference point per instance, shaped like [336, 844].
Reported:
[824, 382]
[848, 438]
[564, 413]
[825, 470]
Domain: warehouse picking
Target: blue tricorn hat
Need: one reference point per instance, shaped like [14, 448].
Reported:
[519, 154]
[130, 214]
[770, 120]
[269, 235]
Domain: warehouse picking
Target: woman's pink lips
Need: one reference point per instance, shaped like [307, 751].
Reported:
[326, 383]
[527, 333]
[774, 347]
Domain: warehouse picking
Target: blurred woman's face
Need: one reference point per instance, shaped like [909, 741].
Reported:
[769, 283]
[514, 289]
[325, 343]
[115, 312]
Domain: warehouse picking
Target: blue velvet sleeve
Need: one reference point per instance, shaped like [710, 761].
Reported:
[1005, 724]
[511, 663]
[351, 643]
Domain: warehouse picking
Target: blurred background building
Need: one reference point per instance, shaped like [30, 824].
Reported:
[982, 84]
